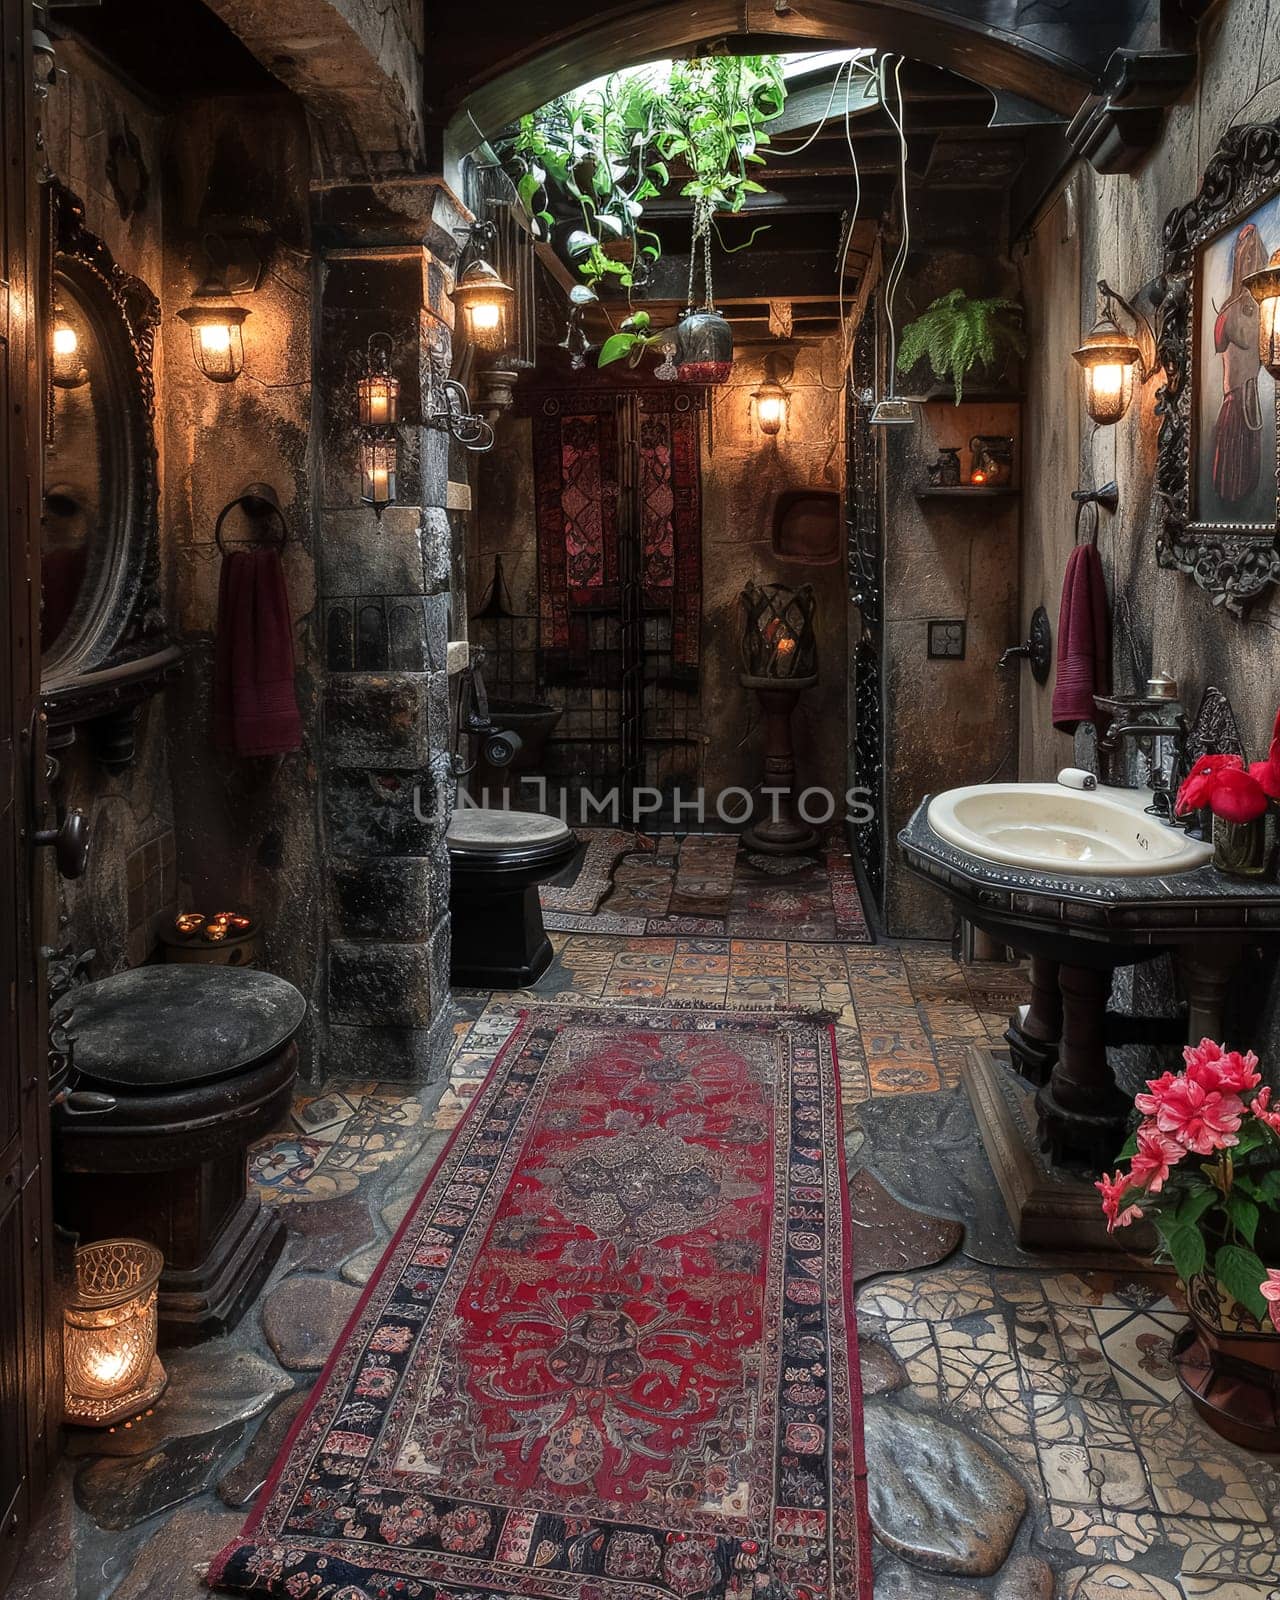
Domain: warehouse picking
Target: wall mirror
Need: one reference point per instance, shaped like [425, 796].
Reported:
[104, 643]
[1218, 468]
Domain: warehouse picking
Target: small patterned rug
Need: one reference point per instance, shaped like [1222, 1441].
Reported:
[588, 889]
[611, 1349]
[704, 875]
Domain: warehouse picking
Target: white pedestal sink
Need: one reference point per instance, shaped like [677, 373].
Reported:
[1049, 827]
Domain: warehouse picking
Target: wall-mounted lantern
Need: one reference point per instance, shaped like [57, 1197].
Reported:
[1111, 359]
[486, 304]
[1264, 286]
[379, 455]
[378, 389]
[217, 343]
[772, 399]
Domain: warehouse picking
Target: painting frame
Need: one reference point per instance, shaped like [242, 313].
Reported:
[1219, 442]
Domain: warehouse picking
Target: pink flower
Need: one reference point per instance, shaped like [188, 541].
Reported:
[1271, 1291]
[1157, 1155]
[1200, 1119]
[1113, 1191]
[1237, 797]
[1209, 1064]
[1149, 1104]
[1199, 783]
[1261, 1109]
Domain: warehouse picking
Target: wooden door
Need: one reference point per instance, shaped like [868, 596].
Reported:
[29, 1321]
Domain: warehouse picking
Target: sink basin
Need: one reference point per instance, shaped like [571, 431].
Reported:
[1048, 827]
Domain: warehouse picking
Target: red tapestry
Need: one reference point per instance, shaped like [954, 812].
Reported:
[610, 1353]
[577, 494]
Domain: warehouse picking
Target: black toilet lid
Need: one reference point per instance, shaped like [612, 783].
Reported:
[179, 1024]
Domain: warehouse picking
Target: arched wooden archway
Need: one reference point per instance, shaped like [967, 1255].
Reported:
[1019, 61]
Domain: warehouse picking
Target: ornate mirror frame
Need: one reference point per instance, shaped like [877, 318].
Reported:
[1233, 561]
[120, 650]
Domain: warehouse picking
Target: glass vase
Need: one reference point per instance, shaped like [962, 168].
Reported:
[1243, 849]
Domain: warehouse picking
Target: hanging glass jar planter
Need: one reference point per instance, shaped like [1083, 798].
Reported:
[704, 347]
[704, 340]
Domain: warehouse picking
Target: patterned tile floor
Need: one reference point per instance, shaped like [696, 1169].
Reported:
[1066, 1375]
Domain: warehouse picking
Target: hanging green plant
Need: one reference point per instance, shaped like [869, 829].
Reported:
[585, 164]
[957, 334]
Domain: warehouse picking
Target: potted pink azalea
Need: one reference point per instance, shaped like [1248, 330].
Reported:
[1239, 797]
[1204, 1170]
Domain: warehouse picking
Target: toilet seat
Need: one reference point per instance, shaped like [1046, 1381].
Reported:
[476, 832]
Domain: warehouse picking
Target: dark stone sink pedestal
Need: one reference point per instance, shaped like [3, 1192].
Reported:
[1077, 931]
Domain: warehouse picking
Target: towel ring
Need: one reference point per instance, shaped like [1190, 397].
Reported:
[261, 505]
[1081, 507]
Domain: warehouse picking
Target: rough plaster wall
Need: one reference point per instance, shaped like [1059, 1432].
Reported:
[1165, 623]
[246, 827]
[743, 473]
[1175, 626]
[125, 811]
[947, 722]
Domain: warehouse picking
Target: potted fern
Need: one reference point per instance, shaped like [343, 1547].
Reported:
[956, 334]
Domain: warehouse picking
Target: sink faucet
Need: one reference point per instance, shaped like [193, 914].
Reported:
[1162, 793]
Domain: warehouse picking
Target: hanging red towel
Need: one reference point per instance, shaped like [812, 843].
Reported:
[255, 708]
[1084, 641]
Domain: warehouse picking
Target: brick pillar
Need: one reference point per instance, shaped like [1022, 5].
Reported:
[385, 613]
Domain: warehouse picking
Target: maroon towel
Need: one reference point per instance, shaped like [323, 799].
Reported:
[1084, 640]
[255, 709]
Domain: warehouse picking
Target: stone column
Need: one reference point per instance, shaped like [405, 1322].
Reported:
[385, 613]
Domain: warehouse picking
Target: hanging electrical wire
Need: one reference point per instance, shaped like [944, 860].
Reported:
[904, 243]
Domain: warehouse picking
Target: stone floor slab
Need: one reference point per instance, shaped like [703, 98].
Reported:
[303, 1318]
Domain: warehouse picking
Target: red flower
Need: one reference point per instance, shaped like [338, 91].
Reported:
[1261, 1108]
[1200, 1119]
[1157, 1155]
[1266, 774]
[1198, 784]
[1237, 797]
[1113, 1191]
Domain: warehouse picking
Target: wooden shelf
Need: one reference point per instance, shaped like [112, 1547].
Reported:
[965, 491]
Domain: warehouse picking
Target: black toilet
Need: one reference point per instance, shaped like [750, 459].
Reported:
[497, 860]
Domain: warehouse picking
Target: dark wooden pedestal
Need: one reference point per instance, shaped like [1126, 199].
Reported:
[782, 831]
[1035, 1030]
[1051, 1209]
[170, 1169]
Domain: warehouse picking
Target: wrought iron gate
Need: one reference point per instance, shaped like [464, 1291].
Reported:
[866, 590]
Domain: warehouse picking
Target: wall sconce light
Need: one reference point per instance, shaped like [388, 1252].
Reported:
[772, 401]
[1112, 358]
[109, 1333]
[379, 455]
[485, 301]
[378, 389]
[68, 370]
[217, 343]
[1264, 286]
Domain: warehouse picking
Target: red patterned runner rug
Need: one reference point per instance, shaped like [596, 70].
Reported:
[610, 1353]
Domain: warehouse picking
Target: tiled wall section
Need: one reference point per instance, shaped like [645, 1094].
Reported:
[151, 880]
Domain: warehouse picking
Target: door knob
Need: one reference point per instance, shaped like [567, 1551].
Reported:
[70, 841]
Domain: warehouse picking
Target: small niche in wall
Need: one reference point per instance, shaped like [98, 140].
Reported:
[808, 527]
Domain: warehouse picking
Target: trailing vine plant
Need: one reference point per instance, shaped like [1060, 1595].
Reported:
[585, 164]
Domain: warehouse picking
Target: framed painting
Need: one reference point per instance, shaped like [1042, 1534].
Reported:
[1218, 469]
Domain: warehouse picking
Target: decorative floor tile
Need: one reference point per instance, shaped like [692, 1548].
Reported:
[1138, 1348]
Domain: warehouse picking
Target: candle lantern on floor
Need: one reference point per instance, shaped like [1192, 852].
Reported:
[109, 1333]
[780, 661]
